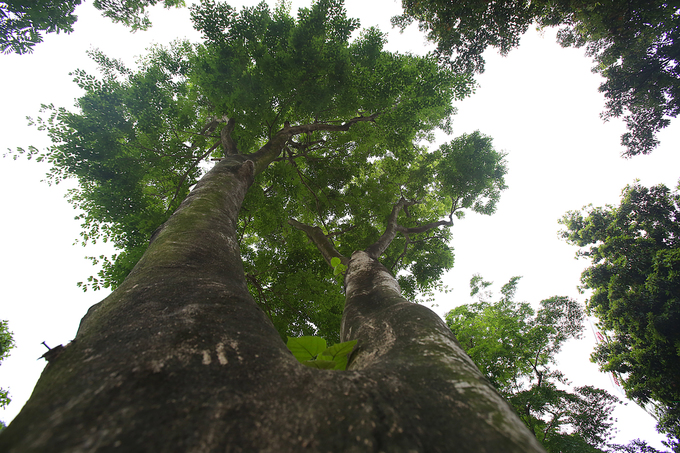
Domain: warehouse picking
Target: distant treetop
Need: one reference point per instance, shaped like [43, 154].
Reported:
[633, 43]
[23, 23]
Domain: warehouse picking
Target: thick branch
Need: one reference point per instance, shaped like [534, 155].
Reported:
[228, 143]
[271, 150]
[424, 228]
[315, 234]
[379, 247]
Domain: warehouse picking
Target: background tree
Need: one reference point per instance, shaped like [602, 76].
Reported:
[633, 44]
[6, 344]
[180, 356]
[634, 446]
[22, 23]
[634, 276]
[516, 348]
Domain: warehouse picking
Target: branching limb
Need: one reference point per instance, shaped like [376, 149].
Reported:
[228, 143]
[316, 199]
[225, 134]
[271, 150]
[406, 245]
[315, 234]
[245, 226]
[403, 253]
[424, 228]
[379, 247]
[338, 233]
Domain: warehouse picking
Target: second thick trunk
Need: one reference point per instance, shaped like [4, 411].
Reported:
[181, 359]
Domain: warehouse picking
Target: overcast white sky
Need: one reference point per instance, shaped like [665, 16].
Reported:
[540, 104]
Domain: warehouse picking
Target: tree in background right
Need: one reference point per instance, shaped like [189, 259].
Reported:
[634, 250]
[633, 43]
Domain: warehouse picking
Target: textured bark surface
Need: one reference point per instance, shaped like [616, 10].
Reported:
[181, 359]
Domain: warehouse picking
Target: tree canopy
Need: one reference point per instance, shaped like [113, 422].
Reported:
[322, 170]
[363, 116]
[515, 347]
[23, 23]
[634, 275]
[634, 46]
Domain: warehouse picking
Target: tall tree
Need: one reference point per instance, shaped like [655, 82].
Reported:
[311, 130]
[633, 43]
[515, 347]
[23, 23]
[635, 253]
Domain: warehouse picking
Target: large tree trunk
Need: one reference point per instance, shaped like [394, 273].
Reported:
[181, 359]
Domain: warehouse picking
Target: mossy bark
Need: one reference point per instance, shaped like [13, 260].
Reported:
[181, 359]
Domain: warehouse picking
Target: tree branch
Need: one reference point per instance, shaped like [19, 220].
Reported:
[403, 253]
[424, 228]
[338, 233]
[228, 143]
[316, 235]
[302, 179]
[206, 131]
[186, 173]
[271, 150]
[379, 247]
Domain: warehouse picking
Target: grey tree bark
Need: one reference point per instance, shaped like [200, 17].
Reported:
[181, 359]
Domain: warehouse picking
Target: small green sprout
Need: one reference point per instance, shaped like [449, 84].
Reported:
[338, 267]
[312, 352]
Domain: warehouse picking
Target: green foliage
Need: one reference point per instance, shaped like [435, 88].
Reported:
[633, 43]
[635, 47]
[338, 267]
[516, 348]
[137, 142]
[6, 344]
[635, 278]
[134, 148]
[22, 23]
[466, 29]
[471, 173]
[312, 352]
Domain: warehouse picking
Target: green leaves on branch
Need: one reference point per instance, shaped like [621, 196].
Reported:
[516, 347]
[134, 146]
[633, 43]
[471, 173]
[634, 250]
[23, 23]
[338, 267]
[6, 344]
[312, 352]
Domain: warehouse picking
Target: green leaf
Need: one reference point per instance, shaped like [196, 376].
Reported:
[339, 350]
[320, 364]
[339, 269]
[306, 348]
[335, 261]
[338, 353]
[312, 352]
